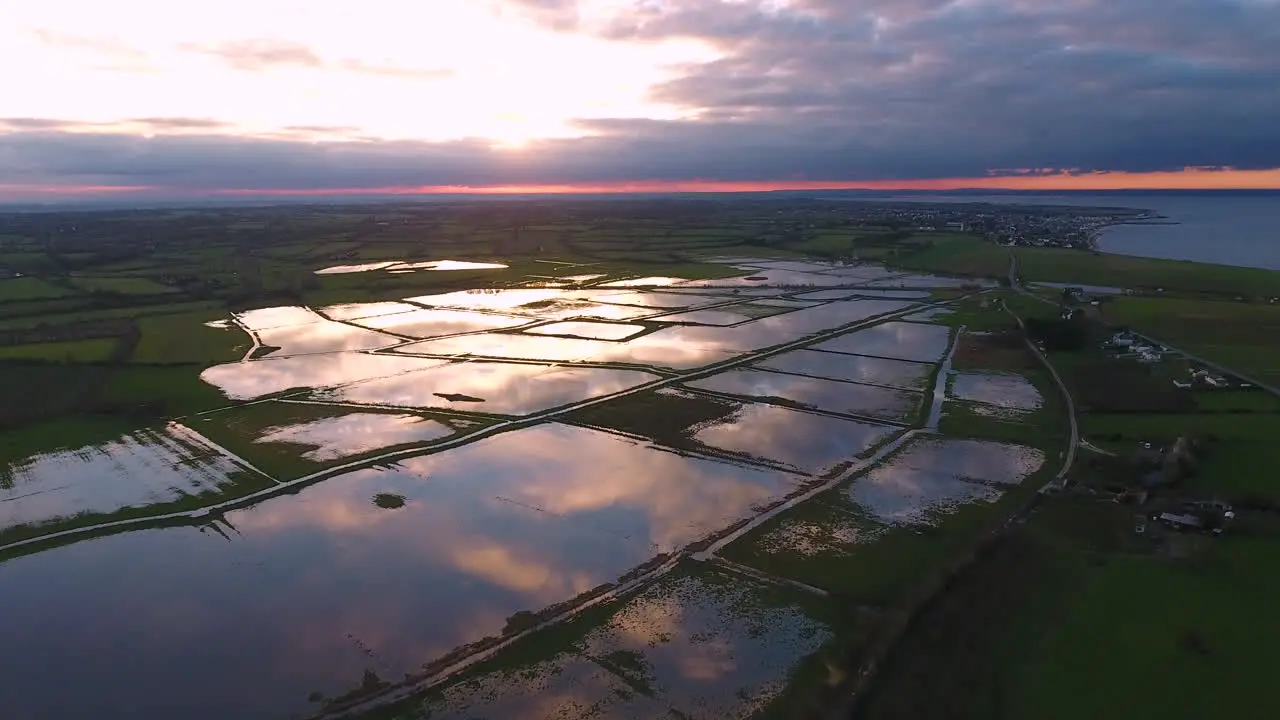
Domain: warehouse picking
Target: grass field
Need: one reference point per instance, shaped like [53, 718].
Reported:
[185, 338]
[1077, 266]
[30, 288]
[1241, 336]
[957, 255]
[79, 351]
[1069, 619]
[1234, 464]
[122, 285]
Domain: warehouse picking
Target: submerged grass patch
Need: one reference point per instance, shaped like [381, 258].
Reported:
[290, 440]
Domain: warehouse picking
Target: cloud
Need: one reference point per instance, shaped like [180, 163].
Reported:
[260, 54]
[820, 90]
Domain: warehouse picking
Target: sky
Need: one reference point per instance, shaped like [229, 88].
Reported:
[155, 98]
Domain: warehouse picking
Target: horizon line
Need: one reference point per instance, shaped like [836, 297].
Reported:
[1021, 180]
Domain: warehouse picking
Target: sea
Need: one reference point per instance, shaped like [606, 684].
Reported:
[1212, 228]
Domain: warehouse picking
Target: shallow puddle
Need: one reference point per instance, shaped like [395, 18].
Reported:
[1008, 391]
[851, 368]
[896, 340]
[820, 394]
[589, 330]
[146, 467]
[707, 645]
[252, 380]
[489, 387]
[356, 433]
[794, 439]
[435, 323]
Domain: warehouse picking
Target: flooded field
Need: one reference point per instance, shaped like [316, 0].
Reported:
[322, 337]
[851, 368]
[935, 475]
[434, 323]
[819, 394]
[444, 470]
[793, 439]
[400, 266]
[488, 387]
[304, 593]
[1003, 390]
[897, 340]
[252, 380]
[148, 467]
[589, 330]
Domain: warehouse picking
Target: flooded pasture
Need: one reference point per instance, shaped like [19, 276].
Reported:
[935, 475]
[344, 436]
[1003, 390]
[324, 336]
[851, 368]
[146, 467]
[819, 394]
[488, 387]
[402, 266]
[259, 378]
[356, 311]
[303, 594]
[794, 439]
[895, 340]
[707, 645]
[435, 323]
[589, 330]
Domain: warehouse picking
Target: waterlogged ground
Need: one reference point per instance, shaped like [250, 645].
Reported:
[452, 467]
[147, 467]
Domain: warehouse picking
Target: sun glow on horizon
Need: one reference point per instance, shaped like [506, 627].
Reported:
[436, 70]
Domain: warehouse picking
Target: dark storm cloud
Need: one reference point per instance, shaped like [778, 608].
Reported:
[820, 90]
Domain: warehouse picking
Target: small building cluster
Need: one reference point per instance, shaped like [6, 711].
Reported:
[1125, 344]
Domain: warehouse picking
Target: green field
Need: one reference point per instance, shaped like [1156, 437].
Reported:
[186, 338]
[30, 288]
[1242, 336]
[122, 285]
[1234, 463]
[1074, 617]
[79, 351]
[957, 255]
[1123, 271]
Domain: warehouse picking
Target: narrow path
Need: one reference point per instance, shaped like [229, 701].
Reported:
[1060, 480]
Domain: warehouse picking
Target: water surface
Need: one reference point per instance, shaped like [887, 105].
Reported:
[489, 387]
[141, 468]
[793, 439]
[897, 340]
[851, 368]
[816, 393]
[305, 593]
